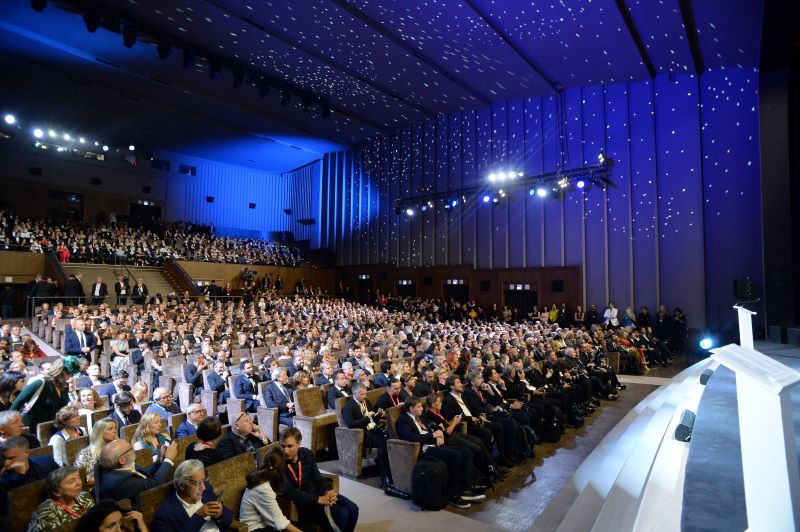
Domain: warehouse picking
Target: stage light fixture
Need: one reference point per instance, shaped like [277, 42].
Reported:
[38, 133]
[82, 140]
[96, 143]
[10, 119]
[563, 182]
[38, 5]
[93, 18]
[51, 133]
[601, 157]
[541, 192]
[520, 174]
[164, 49]
[580, 183]
[423, 208]
[105, 148]
[502, 193]
[188, 59]
[129, 35]
[238, 79]
[501, 176]
[67, 136]
[495, 200]
[487, 198]
[409, 212]
[492, 177]
[706, 343]
[286, 97]
[214, 69]
[132, 147]
[532, 192]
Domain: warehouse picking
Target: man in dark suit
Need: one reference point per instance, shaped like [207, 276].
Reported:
[246, 386]
[122, 289]
[73, 289]
[195, 413]
[78, 342]
[99, 291]
[137, 355]
[140, 292]
[243, 437]
[276, 395]
[191, 502]
[193, 373]
[19, 467]
[477, 399]
[337, 390]
[392, 397]
[124, 413]
[119, 384]
[121, 479]
[359, 414]
[426, 385]
[218, 382]
[382, 378]
[326, 375]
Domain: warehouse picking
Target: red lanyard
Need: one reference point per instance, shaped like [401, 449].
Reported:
[437, 414]
[420, 424]
[66, 508]
[298, 478]
[395, 401]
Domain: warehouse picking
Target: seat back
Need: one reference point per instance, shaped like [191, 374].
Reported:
[45, 450]
[174, 422]
[128, 430]
[308, 402]
[73, 446]
[340, 402]
[374, 395]
[151, 500]
[391, 420]
[44, 430]
[229, 475]
[21, 502]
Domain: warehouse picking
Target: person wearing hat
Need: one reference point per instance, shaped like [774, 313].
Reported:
[41, 399]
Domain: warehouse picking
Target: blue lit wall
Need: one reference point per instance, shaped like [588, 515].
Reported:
[680, 222]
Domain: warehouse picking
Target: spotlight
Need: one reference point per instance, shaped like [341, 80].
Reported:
[706, 343]
[164, 49]
[492, 177]
[132, 147]
[563, 182]
[495, 200]
[188, 59]
[501, 176]
[82, 140]
[541, 192]
[38, 5]
[502, 193]
[10, 119]
[93, 19]
[453, 203]
[601, 157]
[520, 174]
[67, 137]
[214, 70]
[129, 35]
[105, 148]
[487, 198]
[409, 212]
[580, 184]
[423, 208]
[38, 133]
[238, 79]
[511, 175]
[286, 97]
[96, 143]
[532, 192]
[51, 133]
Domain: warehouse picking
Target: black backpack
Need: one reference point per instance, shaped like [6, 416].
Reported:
[429, 484]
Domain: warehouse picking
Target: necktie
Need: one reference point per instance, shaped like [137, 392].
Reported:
[421, 425]
[80, 340]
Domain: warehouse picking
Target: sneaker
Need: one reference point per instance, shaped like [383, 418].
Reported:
[458, 502]
[622, 387]
[612, 397]
[471, 496]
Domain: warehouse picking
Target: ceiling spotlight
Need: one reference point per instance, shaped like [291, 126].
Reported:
[423, 208]
[501, 192]
[188, 59]
[563, 182]
[67, 137]
[38, 133]
[601, 157]
[96, 143]
[706, 343]
[238, 79]
[214, 70]
[93, 18]
[501, 176]
[132, 147]
[38, 5]
[129, 35]
[520, 174]
[82, 140]
[492, 177]
[164, 49]
[10, 119]
[51, 133]
[105, 148]
[286, 97]
[580, 184]
[511, 175]
[454, 203]
[532, 192]
[541, 192]
[495, 200]
[487, 198]
[409, 212]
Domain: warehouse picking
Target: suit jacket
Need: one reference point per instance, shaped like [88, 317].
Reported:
[231, 445]
[333, 394]
[109, 389]
[322, 379]
[119, 286]
[122, 484]
[72, 344]
[274, 398]
[450, 407]
[407, 430]
[137, 358]
[103, 290]
[139, 291]
[185, 430]
[353, 417]
[385, 401]
[243, 389]
[381, 380]
[134, 417]
[172, 516]
[73, 287]
[423, 389]
[40, 467]
[216, 383]
[193, 377]
[477, 403]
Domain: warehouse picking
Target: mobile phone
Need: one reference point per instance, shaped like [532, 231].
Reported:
[220, 494]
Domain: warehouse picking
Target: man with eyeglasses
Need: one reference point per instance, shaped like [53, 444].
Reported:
[193, 505]
[243, 437]
[121, 479]
[194, 415]
[162, 404]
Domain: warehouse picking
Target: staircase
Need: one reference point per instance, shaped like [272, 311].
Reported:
[153, 277]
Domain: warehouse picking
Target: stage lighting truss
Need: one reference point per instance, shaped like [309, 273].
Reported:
[501, 186]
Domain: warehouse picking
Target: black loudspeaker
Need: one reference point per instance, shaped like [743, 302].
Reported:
[683, 432]
[251, 205]
[96, 181]
[557, 286]
[427, 281]
[743, 288]
[287, 211]
[209, 199]
[146, 190]
[705, 376]
[382, 274]
[486, 286]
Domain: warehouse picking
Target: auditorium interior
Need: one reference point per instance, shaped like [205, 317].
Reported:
[581, 217]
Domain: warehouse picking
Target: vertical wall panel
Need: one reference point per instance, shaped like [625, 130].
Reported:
[573, 203]
[469, 204]
[500, 163]
[516, 162]
[440, 184]
[595, 203]
[534, 209]
[417, 168]
[454, 182]
[619, 215]
[553, 212]
[681, 243]
[484, 210]
[428, 177]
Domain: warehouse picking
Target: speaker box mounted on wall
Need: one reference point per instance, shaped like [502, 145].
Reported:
[486, 286]
[146, 190]
[287, 211]
[557, 286]
[209, 199]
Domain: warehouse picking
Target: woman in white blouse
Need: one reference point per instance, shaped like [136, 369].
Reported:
[610, 315]
[68, 426]
[259, 509]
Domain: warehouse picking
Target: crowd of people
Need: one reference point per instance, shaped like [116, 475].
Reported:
[514, 381]
[118, 243]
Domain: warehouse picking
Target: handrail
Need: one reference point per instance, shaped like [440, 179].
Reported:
[182, 278]
[55, 265]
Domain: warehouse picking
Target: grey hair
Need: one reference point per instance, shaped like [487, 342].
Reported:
[158, 392]
[186, 470]
[56, 476]
[357, 387]
[277, 372]
[6, 417]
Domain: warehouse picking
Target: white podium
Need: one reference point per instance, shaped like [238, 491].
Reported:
[745, 326]
[766, 427]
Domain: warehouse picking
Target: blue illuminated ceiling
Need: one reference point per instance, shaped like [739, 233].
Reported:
[382, 64]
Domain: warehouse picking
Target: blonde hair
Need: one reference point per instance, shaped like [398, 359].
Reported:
[143, 430]
[96, 438]
[139, 387]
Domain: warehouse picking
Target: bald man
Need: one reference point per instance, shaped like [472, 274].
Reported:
[121, 479]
